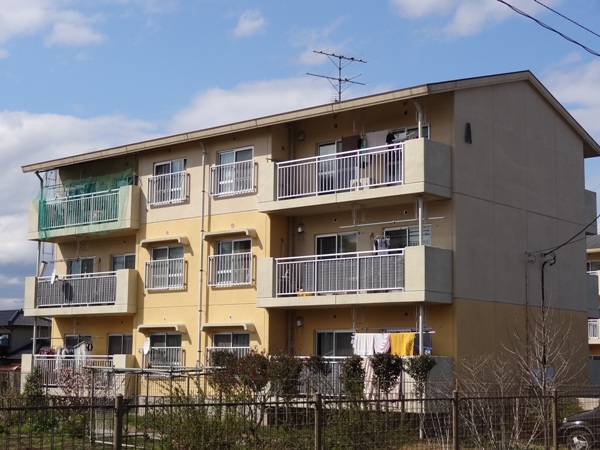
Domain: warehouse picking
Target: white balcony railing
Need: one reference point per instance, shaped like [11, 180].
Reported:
[356, 169]
[340, 273]
[237, 351]
[167, 189]
[87, 289]
[593, 329]
[78, 210]
[164, 357]
[232, 179]
[54, 368]
[230, 270]
[165, 274]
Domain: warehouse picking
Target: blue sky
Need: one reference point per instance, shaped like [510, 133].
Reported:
[77, 76]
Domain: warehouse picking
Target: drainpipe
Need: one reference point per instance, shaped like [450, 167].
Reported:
[419, 118]
[201, 265]
[420, 206]
[39, 262]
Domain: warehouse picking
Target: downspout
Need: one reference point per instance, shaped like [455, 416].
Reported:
[419, 118]
[39, 262]
[420, 205]
[201, 265]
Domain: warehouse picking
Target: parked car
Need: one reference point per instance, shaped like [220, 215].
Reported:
[581, 431]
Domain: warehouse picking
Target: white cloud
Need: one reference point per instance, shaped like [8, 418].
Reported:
[28, 138]
[65, 26]
[318, 39]
[72, 28]
[250, 23]
[465, 17]
[249, 100]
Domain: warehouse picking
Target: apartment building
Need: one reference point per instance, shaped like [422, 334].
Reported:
[426, 210]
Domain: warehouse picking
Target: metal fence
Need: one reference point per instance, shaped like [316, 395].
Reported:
[77, 290]
[165, 274]
[196, 422]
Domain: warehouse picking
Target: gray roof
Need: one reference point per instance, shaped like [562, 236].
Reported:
[592, 242]
[15, 318]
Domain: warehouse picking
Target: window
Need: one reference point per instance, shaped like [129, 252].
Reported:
[407, 236]
[234, 172]
[119, 344]
[232, 263]
[169, 183]
[165, 350]
[593, 266]
[71, 340]
[328, 244]
[332, 173]
[166, 270]
[333, 343]
[125, 261]
[237, 343]
[80, 266]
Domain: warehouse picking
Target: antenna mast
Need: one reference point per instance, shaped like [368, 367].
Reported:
[340, 81]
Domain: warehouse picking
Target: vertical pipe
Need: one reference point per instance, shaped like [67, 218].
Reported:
[419, 118]
[421, 307]
[37, 268]
[201, 262]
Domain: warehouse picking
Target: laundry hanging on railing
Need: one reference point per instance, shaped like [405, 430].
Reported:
[381, 245]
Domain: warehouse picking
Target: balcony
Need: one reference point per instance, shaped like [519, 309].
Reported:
[238, 352]
[411, 275]
[376, 174]
[230, 270]
[168, 189]
[593, 336]
[70, 217]
[105, 293]
[232, 179]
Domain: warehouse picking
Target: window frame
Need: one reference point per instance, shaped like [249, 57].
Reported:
[124, 345]
[334, 334]
[228, 270]
[174, 276]
[126, 257]
[168, 187]
[410, 237]
[82, 266]
[235, 177]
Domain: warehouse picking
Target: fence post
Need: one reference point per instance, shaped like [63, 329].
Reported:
[455, 428]
[118, 428]
[318, 421]
[554, 419]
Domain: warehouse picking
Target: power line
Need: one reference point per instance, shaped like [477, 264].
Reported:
[566, 18]
[548, 27]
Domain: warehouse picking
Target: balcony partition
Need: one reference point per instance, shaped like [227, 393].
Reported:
[356, 169]
[340, 273]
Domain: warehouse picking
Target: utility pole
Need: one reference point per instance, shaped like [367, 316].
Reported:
[340, 65]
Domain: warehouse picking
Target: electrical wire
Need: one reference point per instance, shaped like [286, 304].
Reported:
[566, 18]
[571, 240]
[548, 27]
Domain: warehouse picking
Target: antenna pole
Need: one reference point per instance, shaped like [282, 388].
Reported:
[340, 81]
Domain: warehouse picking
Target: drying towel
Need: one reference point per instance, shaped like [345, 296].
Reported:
[363, 344]
[381, 343]
[402, 344]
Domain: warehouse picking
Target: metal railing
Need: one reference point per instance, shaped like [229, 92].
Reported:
[77, 210]
[356, 169]
[165, 274]
[54, 368]
[85, 289]
[230, 270]
[167, 189]
[232, 179]
[239, 352]
[340, 273]
[593, 329]
[164, 357]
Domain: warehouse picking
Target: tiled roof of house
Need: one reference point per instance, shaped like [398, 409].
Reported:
[15, 318]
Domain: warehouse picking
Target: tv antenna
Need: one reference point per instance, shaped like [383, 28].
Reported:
[340, 65]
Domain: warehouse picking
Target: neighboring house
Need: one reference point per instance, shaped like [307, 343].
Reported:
[17, 335]
[424, 210]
